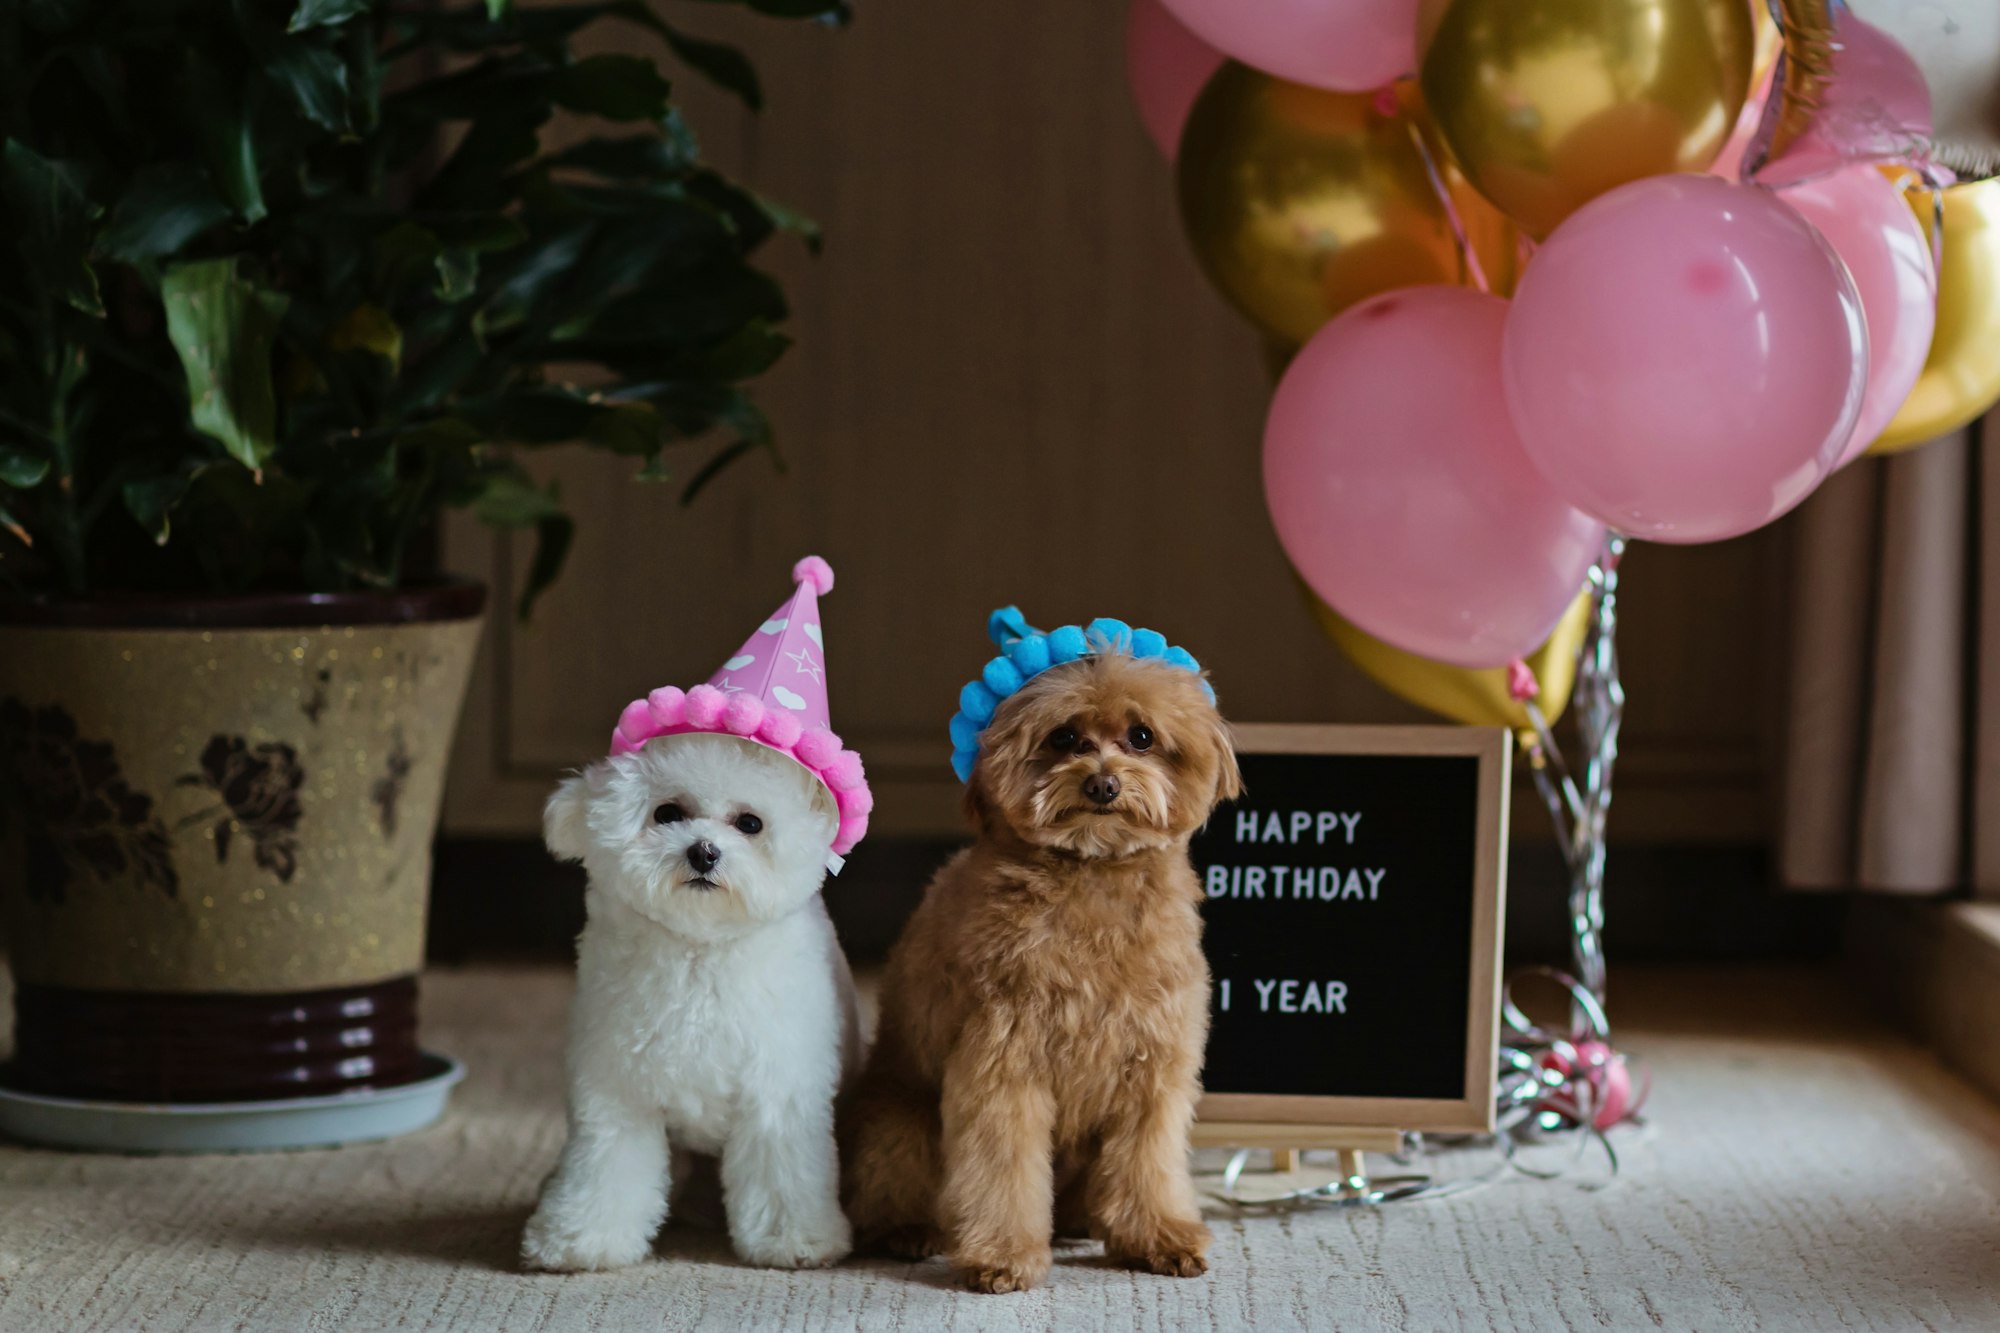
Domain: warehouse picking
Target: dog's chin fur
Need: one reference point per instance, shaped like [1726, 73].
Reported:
[603, 817]
[712, 1020]
[1048, 1000]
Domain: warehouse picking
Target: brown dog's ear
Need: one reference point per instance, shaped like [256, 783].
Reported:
[1228, 776]
[978, 806]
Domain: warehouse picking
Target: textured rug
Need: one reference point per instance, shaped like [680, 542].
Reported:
[1802, 1169]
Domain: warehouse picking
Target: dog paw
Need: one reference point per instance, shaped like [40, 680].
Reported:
[999, 1276]
[551, 1248]
[807, 1247]
[914, 1243]
[1178, 1249]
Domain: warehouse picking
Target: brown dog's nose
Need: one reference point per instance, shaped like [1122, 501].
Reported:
[1101, 788]
[703, 856]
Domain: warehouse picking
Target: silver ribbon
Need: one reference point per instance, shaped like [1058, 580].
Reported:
[1547, 1095]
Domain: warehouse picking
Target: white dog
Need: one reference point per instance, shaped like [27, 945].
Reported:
[714, 1012]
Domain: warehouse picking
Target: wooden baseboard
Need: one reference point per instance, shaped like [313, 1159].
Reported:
[1935, 968]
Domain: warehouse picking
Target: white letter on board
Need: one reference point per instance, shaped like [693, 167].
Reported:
[1374, 882]
[1351, 820]
[1246, 826]
[1264, 994]
[1287, 1002]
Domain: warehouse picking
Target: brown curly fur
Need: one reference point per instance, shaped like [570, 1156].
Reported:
[1044, 1013]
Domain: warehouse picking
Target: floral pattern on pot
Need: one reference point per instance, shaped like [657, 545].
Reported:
[79, 813]
[259, 786]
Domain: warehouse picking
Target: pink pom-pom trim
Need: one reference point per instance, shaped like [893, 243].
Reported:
[743, 714]
[705, 704]
[781, 729]
[668, 712]
[817, 748]
[636, 722]
[815, 571]
[668, 705]
[844, 772]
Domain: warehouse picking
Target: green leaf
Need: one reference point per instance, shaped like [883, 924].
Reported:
[368, 328]
[544, 414]
[458, 274]
[315, 79]
[721, 64]
[713, 468]
[497, 10]
[646, 156]
[151, 501]
[222, 125]
[224, 328]
[21, 469]
[616, 87]
[511, 500]
[52, 219]
[793, 222]
[165, 206]
[322, 13]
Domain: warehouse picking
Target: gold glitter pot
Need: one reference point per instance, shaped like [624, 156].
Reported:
[216, 819]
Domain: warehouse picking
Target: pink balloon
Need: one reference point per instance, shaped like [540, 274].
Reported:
[1728, 163]
[1401, 493]
[1167, 66]
[1876, 107]
[1351, 45]
[1865, 220]
[1685, 358]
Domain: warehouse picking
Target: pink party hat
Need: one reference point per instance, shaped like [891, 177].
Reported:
[773, 692]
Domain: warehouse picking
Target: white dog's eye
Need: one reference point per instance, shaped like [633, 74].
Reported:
[670, 813]
[748, 823]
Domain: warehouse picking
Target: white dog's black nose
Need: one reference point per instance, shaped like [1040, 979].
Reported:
[703, 856]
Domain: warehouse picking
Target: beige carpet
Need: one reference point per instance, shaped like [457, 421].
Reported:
[1803, 1171]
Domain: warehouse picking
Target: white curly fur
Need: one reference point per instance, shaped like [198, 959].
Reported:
[708, 1020]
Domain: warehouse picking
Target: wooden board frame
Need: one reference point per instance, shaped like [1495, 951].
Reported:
[1305, 1122]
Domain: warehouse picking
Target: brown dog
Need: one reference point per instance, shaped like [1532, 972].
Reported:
[1043, 1015]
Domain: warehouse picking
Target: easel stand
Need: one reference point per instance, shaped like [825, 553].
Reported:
[1286, 1143]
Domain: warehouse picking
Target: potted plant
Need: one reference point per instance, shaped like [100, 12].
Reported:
[280, 281]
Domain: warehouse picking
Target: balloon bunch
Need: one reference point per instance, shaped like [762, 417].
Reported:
[1544, 277]
[1536, 272]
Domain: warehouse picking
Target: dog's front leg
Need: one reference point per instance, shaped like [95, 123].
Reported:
[1141, 1195]
[781, 1184]
[999, 1128]
[608, 1195]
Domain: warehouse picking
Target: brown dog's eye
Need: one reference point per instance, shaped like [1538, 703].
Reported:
[670, 813]
[1140, 737]
[1063, 738]
[749, 824]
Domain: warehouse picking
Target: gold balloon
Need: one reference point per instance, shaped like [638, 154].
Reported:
[1961, 376]
[1302, 202]
[1549, 103]
[1476, 696]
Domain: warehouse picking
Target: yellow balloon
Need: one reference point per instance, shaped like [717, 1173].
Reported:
[1961, 376]
[1477, 697]
[1549, 103]
[1302, 202]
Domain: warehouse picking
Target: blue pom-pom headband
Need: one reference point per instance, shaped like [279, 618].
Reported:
[1026, 652]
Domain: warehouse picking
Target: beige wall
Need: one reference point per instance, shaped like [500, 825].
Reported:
[1011, 385]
